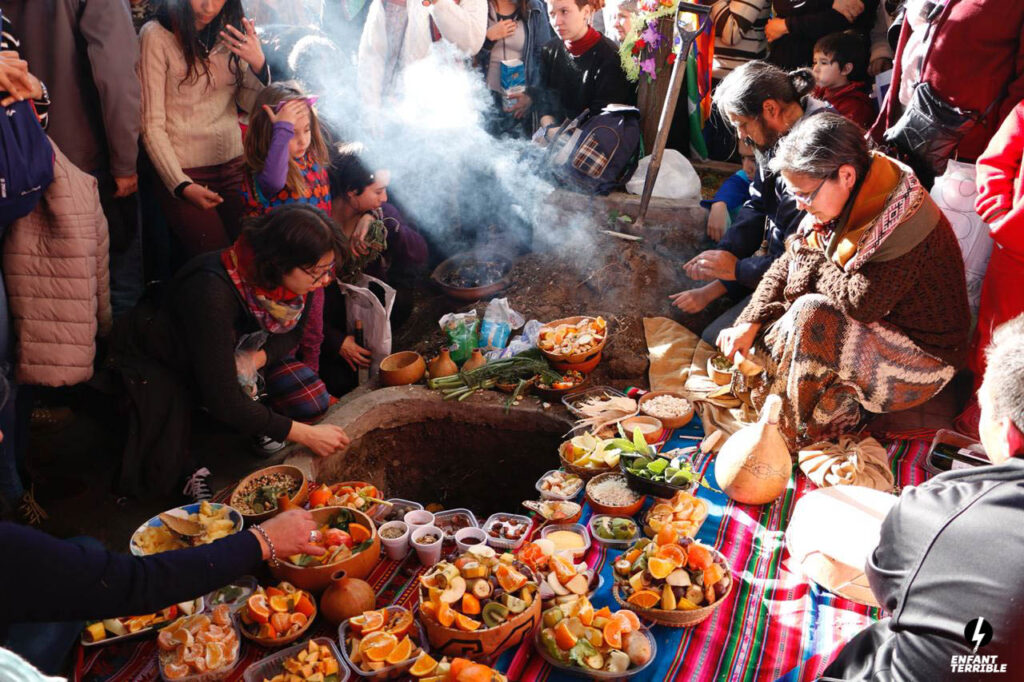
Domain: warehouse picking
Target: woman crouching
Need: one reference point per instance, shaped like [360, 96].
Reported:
[866, 311]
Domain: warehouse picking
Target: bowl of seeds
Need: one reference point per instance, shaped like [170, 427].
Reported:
[256, 496]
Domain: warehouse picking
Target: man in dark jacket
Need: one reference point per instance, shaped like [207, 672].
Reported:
[947, 567]
[763, 103]
[86, 53]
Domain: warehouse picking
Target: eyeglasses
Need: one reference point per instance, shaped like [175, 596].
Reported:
[326, 272]
[804, 198]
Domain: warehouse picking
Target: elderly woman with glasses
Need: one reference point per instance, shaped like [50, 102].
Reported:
[866, 311]
[223, 334]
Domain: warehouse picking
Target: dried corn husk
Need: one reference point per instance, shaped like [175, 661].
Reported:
[600, 412]
[850, 461]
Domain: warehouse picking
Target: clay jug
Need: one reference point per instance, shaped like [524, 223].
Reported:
[346, 597]
[477, 359]
[754, 465]
[443, 365]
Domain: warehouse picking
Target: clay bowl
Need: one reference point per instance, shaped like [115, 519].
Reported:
[668, 422]
[585, 367]
[298, 499]
[627, 510]
[555, 394]
[273, 642]
[316, 578]
[510, 386]
[575, 359]
[484, 643]
[471, 293]
[399, 369]
[722, 377]
[651, 427]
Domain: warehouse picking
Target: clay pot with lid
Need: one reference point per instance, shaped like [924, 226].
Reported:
[346, 597]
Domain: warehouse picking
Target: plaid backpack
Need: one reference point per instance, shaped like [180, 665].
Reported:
[596, 152]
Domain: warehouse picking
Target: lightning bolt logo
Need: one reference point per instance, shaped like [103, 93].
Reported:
[978, 637]
[979, 632]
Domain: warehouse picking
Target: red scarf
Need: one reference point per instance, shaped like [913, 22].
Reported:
[578, 47]
[277, 310]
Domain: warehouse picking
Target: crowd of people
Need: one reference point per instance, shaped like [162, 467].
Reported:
[190, 202]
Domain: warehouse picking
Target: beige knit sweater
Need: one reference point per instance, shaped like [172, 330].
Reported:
[190, 124]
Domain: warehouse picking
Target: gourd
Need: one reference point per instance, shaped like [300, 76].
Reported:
[754, 465]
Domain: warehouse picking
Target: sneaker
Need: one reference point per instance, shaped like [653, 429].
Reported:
[29, 510]
[266, 446]
[197, 486]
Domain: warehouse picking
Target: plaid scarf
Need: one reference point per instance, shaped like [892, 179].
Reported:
[277, 310]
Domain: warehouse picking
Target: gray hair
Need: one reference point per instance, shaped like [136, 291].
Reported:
[819, 144]
[1004, 375]
[746, 88]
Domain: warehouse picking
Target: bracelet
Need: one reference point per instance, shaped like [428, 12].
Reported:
[273, 552]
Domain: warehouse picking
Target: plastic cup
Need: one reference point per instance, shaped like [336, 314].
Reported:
[417, 518]
[469, 537]
[395, 548]
[429, 554]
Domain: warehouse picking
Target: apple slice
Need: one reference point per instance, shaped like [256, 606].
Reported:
[578, 584]
[556, 586]
[456, 588]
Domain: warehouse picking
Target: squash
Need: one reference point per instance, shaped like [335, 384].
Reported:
[754, 466]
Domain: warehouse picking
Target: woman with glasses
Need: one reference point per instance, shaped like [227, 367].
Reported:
[866, 310]
[225, 330]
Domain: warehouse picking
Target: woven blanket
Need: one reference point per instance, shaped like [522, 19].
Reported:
[774, 626]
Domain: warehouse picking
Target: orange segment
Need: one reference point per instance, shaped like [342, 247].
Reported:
[563, 568]
[304, 605]
[509, 578]
[359, 532]
[667, 535]
[216, 656]
[586, 613]
[298, 619]
[400, 653]
[445, 614]
[400, 624]
[466, 623]
[470, 604]
[630, 621]
[613, 633]
[423, 666]
[563, 636]
[280, 603]
[673, 552]
[369, 621]
[603, 612]
[258, 610]
[712, 574]
[660, 568]
[280, 621]
[645, 599]
[376, 646]
[698, 557]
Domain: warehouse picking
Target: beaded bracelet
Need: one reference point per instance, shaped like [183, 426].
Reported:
[273, 552]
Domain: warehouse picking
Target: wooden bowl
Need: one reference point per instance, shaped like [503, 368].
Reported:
[628, 510]
[506, 387]
[399, 369]
[586, 473]
[651, 427]
[585, 367]
[722, 377]
[555, 394]
[472, 293]
[668, 422]
[316, 578]
[272, 642]
[484, 643]
[575, 358]
[298, 499]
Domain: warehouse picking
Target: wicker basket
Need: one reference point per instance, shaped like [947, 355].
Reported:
[667, 422]
[575, 358]
[586, 473]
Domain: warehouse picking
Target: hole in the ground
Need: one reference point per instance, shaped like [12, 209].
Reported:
[484, 468]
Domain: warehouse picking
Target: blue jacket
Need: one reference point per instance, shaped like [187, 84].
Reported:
[538, 32]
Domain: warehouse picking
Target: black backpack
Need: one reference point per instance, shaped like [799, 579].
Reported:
[597, 152]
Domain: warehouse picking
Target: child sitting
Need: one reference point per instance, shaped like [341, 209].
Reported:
[726, 203]
[840, 75]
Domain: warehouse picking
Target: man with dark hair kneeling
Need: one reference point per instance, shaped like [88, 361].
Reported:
[948, 563]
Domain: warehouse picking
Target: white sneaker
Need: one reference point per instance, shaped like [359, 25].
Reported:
[266, 446]
[197, 486]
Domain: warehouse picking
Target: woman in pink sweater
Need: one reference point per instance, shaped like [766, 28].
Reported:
[193, 82]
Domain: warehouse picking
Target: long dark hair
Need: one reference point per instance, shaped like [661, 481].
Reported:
[746, 88]
[177, 17]
[288, 237]
[522, 8]
[348, 171]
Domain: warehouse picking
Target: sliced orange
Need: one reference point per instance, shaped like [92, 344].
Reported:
[359, 532]
[563, 568]
[603, 612]
[509, 578]
[613, 633]
[445, 614]
[698, 557]
[466, 623]
[563, 636]
[673, 552]
[280, 621]
[401, 652]
[429, 608]
[632, 555]
[470, 604]
[367, 622]
[586, 613]
[712, 574]
[273, 592]
[304, 605]
[667, 535]
[298, 619]
[645, 599]
[266, 631]
[376, 646]
[475, 672]
[258, 609]
[423, 666]
[400, 623]
[457, 666]
[280, 603]
[629, 620]
[660, 568]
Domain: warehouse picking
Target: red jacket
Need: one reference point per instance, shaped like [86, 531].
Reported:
[852, 101]
[1001, 183]
[976, 58]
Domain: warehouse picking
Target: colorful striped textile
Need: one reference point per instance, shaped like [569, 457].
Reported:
[775, 625]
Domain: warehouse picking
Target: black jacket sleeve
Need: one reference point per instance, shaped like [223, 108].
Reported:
[610, 84]
[59, 580]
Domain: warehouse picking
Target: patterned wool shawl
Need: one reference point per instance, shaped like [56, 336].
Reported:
[889, 216]
[277, 310]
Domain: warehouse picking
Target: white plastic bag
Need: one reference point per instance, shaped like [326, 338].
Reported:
[363, 304]
[676, 178]
[499, 321]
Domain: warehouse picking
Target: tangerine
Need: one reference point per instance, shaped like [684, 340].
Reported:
[299, 619]
[509, 578]
[445, 614]
[423, 666]
[667, 535]
[176, 671]
[401, 652]
[630, 620]
[320, 497]
[280, 621]
[673, 552]
[359, 532]
[221, 615]
[466, 623]
[258, 610]
[613, 633]
[475, 672]
[564, 569]
[660, 568]
[698, 557]
[645, 599]
[563, 636]
[376, 646]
